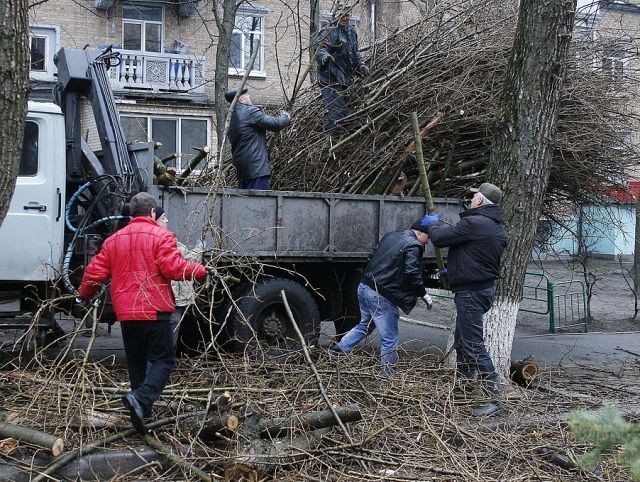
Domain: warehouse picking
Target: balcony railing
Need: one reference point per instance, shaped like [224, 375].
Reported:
[158, 72]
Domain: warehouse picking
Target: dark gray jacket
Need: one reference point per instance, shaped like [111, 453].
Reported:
[475, 244]
[342, 45]
[248, 136]
[395, 269]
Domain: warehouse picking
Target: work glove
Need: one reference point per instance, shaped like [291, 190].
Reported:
[326, 60]
[284, 112]
[212, 276]
[364, 70]
[428, 301]
[430, 219]
[80, 308]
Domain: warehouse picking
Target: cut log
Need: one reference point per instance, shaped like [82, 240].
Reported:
[277, 427]
[34, 437]
[524, 372]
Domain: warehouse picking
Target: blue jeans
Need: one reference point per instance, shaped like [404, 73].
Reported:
[377, 312]
[259, 183]
[472, 356]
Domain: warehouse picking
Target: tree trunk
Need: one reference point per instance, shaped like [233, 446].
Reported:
[221, 76]
[522, 147]
[14, 78]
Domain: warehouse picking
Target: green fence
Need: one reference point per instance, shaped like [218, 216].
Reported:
[564, 302]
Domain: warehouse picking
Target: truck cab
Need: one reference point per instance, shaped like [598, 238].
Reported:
[32, 233]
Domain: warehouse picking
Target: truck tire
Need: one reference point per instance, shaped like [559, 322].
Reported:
[261, 315]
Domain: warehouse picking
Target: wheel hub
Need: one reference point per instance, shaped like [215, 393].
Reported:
[272, 327]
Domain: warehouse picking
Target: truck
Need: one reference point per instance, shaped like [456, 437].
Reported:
[69, 198]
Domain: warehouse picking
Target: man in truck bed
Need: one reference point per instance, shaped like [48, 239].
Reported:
[141, 259]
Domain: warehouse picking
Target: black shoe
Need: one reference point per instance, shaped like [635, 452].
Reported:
[136, 413]
[486, 410]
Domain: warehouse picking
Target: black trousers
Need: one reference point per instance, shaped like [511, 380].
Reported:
[337, 105]
[148, 341]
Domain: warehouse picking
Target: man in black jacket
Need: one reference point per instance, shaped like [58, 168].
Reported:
[392, 279]
[475, 244]
[248, 136]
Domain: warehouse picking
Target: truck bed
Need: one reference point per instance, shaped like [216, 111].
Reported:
[293, 226]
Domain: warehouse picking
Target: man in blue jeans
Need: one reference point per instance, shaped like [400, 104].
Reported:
[475, 245]
[392, 279]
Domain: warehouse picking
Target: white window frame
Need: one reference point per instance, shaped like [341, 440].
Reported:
[179, 147]
[253, 12]
[617, 62]
[142, 24]
[51, 34]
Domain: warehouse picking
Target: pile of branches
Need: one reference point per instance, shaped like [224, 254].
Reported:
[410, 427]
[453, 63]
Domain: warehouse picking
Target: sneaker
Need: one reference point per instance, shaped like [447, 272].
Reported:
[136, 413]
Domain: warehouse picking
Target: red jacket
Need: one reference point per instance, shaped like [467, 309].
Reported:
[141, 259]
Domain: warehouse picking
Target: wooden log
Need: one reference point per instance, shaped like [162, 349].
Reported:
[202, 153]
[31, 436]
[276, 427]
[524, 372]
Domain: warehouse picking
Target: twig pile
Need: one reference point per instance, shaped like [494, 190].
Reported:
[453, 61]
[413, 427]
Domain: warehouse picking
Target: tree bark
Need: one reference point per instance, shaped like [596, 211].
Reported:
[522, 148]
[221, 76]
[14, 78]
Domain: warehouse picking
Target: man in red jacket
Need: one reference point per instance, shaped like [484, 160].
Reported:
[141, 260]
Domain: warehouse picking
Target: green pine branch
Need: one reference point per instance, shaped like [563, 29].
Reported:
[607, 430]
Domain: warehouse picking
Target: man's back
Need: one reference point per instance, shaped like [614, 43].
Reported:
[140, 259]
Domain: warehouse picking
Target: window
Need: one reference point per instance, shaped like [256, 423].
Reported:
[614, 61]
[43, 44]
[29, 156]
[38, 54]
[248, 35]
[178, 135]
[142, 28]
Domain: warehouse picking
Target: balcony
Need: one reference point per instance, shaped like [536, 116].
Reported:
[158, 72]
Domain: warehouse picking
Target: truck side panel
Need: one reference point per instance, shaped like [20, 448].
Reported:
[294, 226]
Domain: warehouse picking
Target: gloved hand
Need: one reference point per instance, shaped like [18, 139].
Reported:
[326, 60]
[428, 301]
[429, 219]
[80, 308]
[212, 276]
[364, 70]
[284, 112]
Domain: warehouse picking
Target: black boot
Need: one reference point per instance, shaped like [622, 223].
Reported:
[136, 412]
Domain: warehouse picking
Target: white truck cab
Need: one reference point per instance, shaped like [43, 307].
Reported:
[32, 233]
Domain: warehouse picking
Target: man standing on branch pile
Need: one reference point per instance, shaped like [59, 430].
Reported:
[337, 60]
[475, 244]
[248, 137]
[392, 279]
[141, 259]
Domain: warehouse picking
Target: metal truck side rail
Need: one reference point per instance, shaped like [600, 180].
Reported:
[293, 226]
